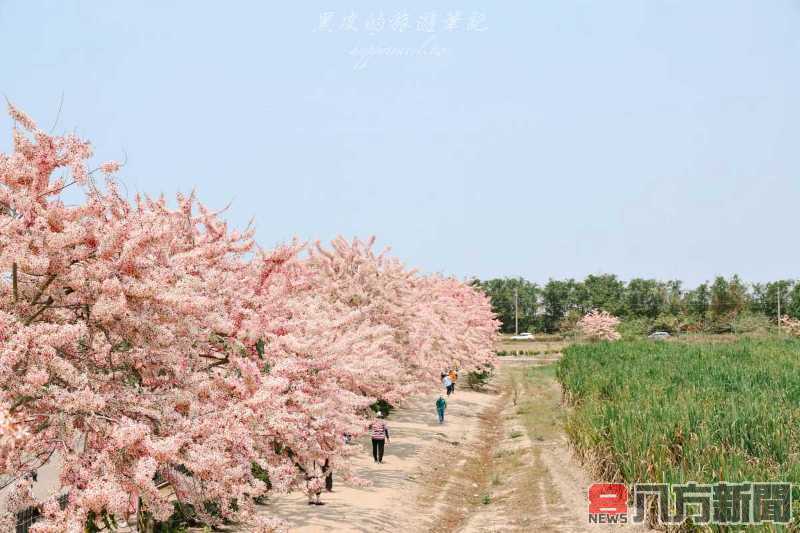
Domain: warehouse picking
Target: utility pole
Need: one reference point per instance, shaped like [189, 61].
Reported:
[516, 312]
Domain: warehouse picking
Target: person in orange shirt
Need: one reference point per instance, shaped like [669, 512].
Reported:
[453, 377]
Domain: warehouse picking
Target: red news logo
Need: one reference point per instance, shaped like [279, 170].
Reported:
[608, 503]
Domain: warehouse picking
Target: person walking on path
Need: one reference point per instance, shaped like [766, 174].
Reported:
[380, 435]
[441, 405]
[453, 375]
[446, 383]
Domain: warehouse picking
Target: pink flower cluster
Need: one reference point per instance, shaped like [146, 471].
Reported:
[599, 325]
[142, 341]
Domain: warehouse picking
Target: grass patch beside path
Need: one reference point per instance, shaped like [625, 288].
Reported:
[537, 400]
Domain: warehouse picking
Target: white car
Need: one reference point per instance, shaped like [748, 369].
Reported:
[522, 337]
[659, 335]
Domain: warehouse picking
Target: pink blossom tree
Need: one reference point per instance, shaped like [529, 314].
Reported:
[599, 326]
[142, 342]
[436, 323]
[113, 320]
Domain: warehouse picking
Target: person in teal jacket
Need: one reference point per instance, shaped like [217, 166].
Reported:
[441, 405]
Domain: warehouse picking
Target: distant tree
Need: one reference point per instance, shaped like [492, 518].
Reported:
[556, 303]
[698, 301]
[720, 305]
[605, 292]
[728, 298]
[673, 297]
[501, 293]
[738, 294]
[793, 305]
[578, 298]
[599, 325]
[765, 297]
[642, 298]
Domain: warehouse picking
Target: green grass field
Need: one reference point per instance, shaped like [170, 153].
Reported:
[675, 412]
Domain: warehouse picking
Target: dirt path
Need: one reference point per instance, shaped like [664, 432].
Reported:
[535, 483]
[501, 462]
[420, 449]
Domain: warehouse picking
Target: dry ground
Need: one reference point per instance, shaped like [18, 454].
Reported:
[418, 465]
[534, 482]
[548, 344]
[501, 462]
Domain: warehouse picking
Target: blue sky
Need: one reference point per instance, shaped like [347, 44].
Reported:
[542, 139]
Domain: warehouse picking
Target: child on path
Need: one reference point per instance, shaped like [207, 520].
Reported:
[453, 375]
[380, 435]
[446, 383]
[441, 405]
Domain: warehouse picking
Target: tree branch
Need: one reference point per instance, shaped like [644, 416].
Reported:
[47, 283]
[40, 311]
[217, 362]
[14, 280]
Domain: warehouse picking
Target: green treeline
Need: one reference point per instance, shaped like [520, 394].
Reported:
[644, 305]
